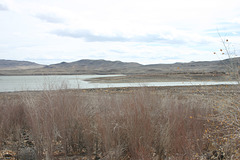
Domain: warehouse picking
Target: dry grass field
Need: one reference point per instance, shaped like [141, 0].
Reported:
[148, 123]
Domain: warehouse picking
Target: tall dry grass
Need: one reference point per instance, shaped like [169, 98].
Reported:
[141, 124]
[145, 124]
[59, 117]
[12, 119]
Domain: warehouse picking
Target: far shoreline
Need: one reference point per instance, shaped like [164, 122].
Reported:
[173, 89]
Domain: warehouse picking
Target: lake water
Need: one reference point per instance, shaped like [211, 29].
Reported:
[30, 83]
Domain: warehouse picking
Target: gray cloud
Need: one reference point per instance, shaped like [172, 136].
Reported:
[3, 7]
[116, 51]
[90, 37]
[51, 18]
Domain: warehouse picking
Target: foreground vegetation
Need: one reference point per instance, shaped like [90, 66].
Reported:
[143, 123]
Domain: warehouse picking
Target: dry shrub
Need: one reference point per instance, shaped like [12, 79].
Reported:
[58, 117]
[223, 127]
[186, 120]
[144, 124]
[224, 122]
[12, 119]
[139, 124]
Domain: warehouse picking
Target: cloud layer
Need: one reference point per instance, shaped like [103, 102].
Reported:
[3, 7]
[146, 31]
[88, 36]
[51, 18]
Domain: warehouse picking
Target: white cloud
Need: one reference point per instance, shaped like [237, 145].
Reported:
[147, 31]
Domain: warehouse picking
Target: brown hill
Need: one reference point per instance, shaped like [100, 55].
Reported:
[87, 66]
[200, 66]
[95, 64]
[16, 65]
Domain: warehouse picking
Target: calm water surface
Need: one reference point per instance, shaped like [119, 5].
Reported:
[25, 83]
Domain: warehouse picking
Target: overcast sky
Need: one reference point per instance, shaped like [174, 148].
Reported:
[144, 31]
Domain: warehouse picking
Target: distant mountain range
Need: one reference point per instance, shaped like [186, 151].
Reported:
[15, 65]
[86, 66]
